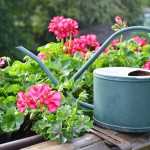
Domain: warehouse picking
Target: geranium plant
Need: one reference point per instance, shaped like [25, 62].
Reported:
[29, 98]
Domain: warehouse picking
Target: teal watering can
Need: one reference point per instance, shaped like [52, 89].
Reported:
[121, 94]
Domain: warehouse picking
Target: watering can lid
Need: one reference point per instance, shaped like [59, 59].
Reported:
[122, 73]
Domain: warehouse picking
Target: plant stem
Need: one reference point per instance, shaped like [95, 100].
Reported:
[8, 63]
[62, 42]
[70, 38]
[121, 39]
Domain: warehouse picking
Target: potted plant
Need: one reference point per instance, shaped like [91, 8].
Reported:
[29, 99]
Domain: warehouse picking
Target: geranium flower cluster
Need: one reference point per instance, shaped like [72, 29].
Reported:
[63, 27]
[140, 41]
[2, 62]
[82, 44]
[39, 96]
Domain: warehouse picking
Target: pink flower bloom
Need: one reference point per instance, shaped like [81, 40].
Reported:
[53, 101]
[105, 51]
[39, 91]
[43, 55]
[51, 107]
[77, 45]
[55, 98]
[32, 103]
[54, 23]
[22, 102]
[63, 27]
[82, 44]
[91, 41]
[141, 41]
[2, 62]
[118, 19]
[147, 65]
[37, 96]
[114, 42]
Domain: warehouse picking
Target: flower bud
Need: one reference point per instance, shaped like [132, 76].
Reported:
[118, 19]
[124, 23]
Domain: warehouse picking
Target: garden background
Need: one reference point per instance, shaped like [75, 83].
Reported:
[25, 22]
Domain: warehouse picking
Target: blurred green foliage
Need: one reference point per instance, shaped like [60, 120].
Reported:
[25, 22]
[145, 3]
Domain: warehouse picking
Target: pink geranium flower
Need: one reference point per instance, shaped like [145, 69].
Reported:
[53, 101]
[32, 102]
[39, 91]
[22, 102]
[83, 44]
[140, 41]
[115, 42]
[2, 62]
[54, 23]
[43, 55]
[63, 27]
[105, 51]
[38, 96]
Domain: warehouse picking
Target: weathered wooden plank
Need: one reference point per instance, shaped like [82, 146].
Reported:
[77, 143]
[130, 136]
[137, 140]
[96, 146]
[108, 131]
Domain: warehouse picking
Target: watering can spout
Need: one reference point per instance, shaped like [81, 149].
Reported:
[88, 63]
[47, 71]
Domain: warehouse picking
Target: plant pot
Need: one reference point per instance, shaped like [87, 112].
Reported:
[25, 142]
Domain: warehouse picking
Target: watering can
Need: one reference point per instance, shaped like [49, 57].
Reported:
[121, 94]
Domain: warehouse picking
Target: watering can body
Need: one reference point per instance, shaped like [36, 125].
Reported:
[121, 104]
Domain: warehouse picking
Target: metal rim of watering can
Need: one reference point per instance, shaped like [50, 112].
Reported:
[88, 63]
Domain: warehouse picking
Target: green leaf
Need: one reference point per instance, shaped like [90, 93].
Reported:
[65, 135]
[83, 123]
[76, 131]
[1, 118]
[6, 85]
[9, 99]
[2, 92]
[78, 55]
[55, 130]
[14, 88]
[63, 112]
[2, 99]
[12, 120]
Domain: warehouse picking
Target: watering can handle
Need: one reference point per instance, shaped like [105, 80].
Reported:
[88, 63]
[104, 46]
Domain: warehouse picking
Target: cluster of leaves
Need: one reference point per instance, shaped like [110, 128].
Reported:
[125, 56]
[69, 120]
[68, 123]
